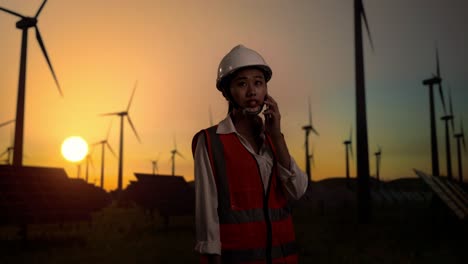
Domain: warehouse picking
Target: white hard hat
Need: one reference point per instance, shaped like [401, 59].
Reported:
[240, 57]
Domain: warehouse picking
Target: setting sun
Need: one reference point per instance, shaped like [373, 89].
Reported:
[74, 148]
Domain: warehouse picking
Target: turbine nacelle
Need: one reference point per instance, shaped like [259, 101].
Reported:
[447, 117]
[432, 81]
[26, 22]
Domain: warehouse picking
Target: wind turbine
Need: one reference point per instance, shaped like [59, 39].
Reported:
[378, 156]
[9, 149]
[460, 137]
[348, 149]
[363, 190]
[448, 152]
[104, 143]
[154, 163]
[89, 160]
[435, 80]
[173, 153]
[155, 166]
[24, 24]
[122, 115]
[8, 153]
[308, 128]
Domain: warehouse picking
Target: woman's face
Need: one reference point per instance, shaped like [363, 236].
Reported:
[248, 89]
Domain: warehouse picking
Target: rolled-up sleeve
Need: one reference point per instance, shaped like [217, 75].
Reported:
[206, 203]
[294, 180]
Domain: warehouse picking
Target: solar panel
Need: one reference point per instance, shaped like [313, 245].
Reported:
[170, 195]
[37, 195]
[386, 196]
[453, 197]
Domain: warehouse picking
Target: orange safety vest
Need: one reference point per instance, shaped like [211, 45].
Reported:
[255, 225]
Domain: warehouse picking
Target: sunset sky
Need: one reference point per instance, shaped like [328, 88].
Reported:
[99, 49]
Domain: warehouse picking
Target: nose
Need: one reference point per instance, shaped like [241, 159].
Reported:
[251, 90]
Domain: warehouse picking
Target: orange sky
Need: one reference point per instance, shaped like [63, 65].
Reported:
[100, 48]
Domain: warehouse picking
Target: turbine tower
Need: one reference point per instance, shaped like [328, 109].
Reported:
[363, 190]
[173, 153]
[308, 128]
[24, 24]
[435, 80]
[460, 137]
[104, 143]
[122, 115]
[446, 118]
[155, 166]
[348, 149]
[89, 160]
[378, 156]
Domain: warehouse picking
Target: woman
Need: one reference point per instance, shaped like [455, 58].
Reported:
[244, 174]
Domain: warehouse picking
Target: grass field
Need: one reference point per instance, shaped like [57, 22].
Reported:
[128, 235]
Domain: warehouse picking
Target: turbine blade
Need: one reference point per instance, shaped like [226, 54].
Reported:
[463, 135]
[107, 114]
[40, 9]
[437, 61]
[351, 149]
[315, 131]
[131, 97]
[451, 110]
[363, 13]
[180, 154]
[7, 122]
[4, 152]
[90, 160]
[12, 12]
[133, 128]
[44, 51]
[310, 112]
[450, 103]
[110, 148]
[351, 134]
[440, 84]
[441, 92]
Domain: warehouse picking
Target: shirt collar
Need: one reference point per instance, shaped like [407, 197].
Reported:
[226, 127]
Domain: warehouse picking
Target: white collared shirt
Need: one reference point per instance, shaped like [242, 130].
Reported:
[206, 214]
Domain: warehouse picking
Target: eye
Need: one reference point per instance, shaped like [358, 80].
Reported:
[258, 83]
[241, 84]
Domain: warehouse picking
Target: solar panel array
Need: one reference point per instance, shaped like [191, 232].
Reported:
[449, 192]
[39, 195]
[169, 195]
[387, 195]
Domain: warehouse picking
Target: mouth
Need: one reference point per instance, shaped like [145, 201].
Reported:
[253, 109]
[252, 104]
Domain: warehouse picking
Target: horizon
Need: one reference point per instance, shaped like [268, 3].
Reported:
[172, 48]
